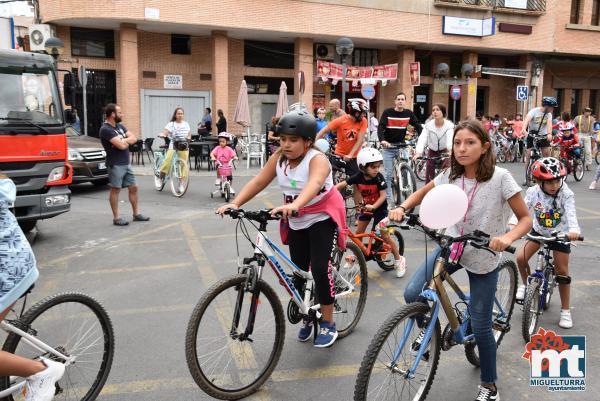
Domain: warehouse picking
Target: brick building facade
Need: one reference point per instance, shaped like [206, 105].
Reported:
[554, 41]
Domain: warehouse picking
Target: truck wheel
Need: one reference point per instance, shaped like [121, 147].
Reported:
[27, 225]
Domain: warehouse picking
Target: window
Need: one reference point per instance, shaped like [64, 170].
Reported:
[268, 54]
[425, 60]
[268, 86]
[363, 57]
[181, 44]
[455, 66]
[593, 99]
[596, 12]
[575, 11]
[92, 43]
[558, 94]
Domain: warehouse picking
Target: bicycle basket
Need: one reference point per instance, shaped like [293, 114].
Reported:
[224, 171]
[180, 145]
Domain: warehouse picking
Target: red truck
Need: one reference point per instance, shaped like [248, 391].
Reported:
[33, 143]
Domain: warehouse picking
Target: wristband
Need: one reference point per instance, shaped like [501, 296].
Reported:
[403, 208]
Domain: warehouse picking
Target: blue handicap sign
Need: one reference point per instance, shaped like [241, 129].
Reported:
[522, 92]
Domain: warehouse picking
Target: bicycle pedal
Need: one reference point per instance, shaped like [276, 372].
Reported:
[502, 326]
[519, 301]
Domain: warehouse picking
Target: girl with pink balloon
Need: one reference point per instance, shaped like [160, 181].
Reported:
[490, 194]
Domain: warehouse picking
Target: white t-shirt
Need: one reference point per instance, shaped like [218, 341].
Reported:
[292, 181]
[177, 131]
[436, 138]
[488, 212]
[536, 123]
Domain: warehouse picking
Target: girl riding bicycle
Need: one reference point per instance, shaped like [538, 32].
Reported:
[437, 137]
[371, 185]
[304, 175]
[178, 131]
[223, 155]
[490, 190]
[552, 204]
[18, 272]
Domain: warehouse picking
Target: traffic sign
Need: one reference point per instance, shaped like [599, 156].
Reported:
[368, 91]
[455, 92]
[522, 92]
[82, 75]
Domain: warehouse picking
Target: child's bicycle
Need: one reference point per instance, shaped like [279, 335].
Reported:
[235, 334]
[224, 188]
[178, 173]
[70, 328]
[541, 283]
[402, 359]
[376, 248]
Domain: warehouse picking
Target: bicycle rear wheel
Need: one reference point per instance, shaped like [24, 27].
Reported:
[531, 309]
[504, 303]
[75, 325]
[379, 378]
[224, 361]
[387, 262]
[180, 179]
[350, 267]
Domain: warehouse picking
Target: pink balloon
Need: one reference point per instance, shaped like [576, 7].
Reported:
[443, 206]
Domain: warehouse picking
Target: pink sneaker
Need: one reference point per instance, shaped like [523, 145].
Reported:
[593, 185]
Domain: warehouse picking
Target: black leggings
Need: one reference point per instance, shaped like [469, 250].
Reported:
[313, 246]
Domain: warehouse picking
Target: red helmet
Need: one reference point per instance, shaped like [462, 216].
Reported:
[548, 168]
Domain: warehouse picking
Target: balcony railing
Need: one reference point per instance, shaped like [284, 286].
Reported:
[534, 7]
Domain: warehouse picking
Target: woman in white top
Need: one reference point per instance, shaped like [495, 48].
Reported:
[304, 176]
[437, 137]
[178, 131]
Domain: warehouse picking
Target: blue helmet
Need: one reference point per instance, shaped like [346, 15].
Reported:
[549, 101]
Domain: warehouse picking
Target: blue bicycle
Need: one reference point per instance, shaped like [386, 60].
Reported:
[235, 334]
[541, 283]
[401, 361]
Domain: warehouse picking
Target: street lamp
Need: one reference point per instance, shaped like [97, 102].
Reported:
[54, 47]
[344, 47]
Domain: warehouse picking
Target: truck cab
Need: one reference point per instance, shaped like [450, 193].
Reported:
[33, 143]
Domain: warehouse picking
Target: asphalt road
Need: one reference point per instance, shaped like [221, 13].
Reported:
[150, 275]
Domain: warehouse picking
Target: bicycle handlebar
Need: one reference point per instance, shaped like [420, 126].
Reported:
[261, 216]
[554, 238]
[478, 239]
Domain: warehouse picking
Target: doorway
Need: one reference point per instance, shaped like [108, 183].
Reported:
[101, 89]
[481, 101]
[422, 107]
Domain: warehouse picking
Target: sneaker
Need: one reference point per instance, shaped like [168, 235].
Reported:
[305, 330]
[417, 344]
[140, 217]
[592, 185]
[400, 266]
[40, 386]
[218, 182]
[232, 191]
[566, 322]
[487, 394]
[520, 293]
[349, 261]
[327, 335]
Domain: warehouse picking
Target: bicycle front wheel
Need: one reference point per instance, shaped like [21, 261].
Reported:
[579, 168]
[75, 325]
[180, 178]
[159, 183]
[350, 268]
[504, 303]
[408, 183]
[421, 169]
[225, 361]
[531, 309]
[387, 262]
[383, 375]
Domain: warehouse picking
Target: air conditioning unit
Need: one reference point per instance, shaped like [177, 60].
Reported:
[38, 34]
[324, 51]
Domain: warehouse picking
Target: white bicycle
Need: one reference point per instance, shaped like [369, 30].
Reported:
[70, 328]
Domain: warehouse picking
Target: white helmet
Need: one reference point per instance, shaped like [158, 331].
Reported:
[368, 155]
[322, 145]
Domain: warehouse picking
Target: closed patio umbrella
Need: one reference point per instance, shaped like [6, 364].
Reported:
[242, 110]
[282, 101]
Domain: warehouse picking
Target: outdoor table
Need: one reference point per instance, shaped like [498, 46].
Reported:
[200, 148]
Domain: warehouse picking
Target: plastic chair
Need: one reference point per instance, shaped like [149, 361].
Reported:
[136, 150]
[256, 150]
[148, 142]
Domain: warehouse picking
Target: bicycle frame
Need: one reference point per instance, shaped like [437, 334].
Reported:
[35, 343]
[543, 262]
[436, 293]
[367, 250]
[266, 250]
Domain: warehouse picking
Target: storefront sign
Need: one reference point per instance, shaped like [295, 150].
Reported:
[421, 98]
[327, 70]
[173, 82]
[516, 4]
[468, 26]
[439, 86]
[415, 73]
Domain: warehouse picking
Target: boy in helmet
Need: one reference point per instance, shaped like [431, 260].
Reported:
[372, 188]
[552, 204]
